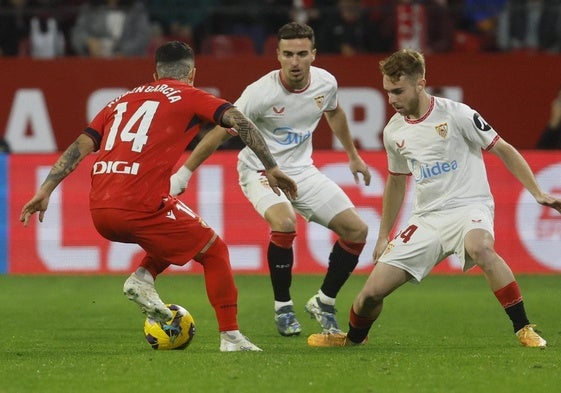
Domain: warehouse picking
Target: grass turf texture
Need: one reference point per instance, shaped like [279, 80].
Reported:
[449, 334]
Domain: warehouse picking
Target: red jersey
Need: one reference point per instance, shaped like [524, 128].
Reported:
[140, 136]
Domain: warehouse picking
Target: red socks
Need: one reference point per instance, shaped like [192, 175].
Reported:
[359, 322]
[509, 295]
[220, 286]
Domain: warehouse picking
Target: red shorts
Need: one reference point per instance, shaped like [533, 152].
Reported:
[172, 234]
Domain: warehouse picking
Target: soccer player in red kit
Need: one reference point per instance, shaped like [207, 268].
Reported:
[139, 137]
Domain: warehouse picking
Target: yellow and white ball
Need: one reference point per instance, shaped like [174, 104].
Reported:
[177, 333]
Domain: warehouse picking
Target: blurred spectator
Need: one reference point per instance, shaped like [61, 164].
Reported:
[519, 25]
[131, 27]
[182, 20]
[299, 12]
[440, 26]
[257, 19]
[530, 24]
[49, 26]
[279, 12]
[14, 26]
[348, 30]
[551, 135]
[427, 26]
[241, 17]
[549, 34]
[404, 25]
[46, 41]
[313, 12]
[482, 17]
[111, 28]
[376, 8]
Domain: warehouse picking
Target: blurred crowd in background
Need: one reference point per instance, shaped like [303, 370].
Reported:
[125, 28]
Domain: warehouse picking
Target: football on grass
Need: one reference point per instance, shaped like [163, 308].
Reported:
[177, 333]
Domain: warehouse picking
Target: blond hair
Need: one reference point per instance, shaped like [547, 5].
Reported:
[405, 62]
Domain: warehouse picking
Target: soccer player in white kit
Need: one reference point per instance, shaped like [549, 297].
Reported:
[439, 142]
[287, 105]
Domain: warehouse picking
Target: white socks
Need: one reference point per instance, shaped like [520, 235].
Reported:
[144, 275]
[279, 305]
[326, 299]
[231, 335]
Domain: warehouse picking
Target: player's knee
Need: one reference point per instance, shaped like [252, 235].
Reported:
[282, 224]
[361, 231]
[218, 251]
[371, 298]
[356, 232]
[349, 226]
[483, 255]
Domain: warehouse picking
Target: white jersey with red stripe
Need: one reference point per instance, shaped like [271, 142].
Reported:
[443, 152]
[287, 118]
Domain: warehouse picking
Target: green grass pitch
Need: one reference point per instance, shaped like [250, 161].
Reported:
[448, 334]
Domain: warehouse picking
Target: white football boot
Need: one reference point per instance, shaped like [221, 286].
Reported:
[234, 341]
[144, 294]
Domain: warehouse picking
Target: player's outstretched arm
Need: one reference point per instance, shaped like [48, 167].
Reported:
[250, 135]
[394, 194]
[519, 167]
[337, 120]
[278, 179]
[64, 166]
[253, 139]
[204, 149]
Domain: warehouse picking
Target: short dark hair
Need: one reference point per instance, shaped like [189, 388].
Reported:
[294, 30]
[174, 59]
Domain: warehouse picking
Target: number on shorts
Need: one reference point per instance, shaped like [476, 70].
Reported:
[183, 207]
[407, 233]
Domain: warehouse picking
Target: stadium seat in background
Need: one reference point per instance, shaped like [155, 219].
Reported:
[466, 42]
[222, 45]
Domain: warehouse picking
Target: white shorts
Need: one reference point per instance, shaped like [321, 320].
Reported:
[319, 198]
[427, 240]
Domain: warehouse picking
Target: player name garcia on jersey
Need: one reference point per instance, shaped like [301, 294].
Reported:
[173, 95]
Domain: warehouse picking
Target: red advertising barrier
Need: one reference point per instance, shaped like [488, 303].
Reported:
[528, 235]
[44, 104]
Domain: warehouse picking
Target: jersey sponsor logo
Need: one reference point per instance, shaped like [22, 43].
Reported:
[400, 145]
[278, 111]
[170, 215]
[442, 130]
[121, 167]
[426, 171]
[480, 123]
[286, 136]
[319, 101]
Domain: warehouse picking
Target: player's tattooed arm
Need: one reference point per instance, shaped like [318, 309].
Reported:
[250, 135]
[68, 161]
